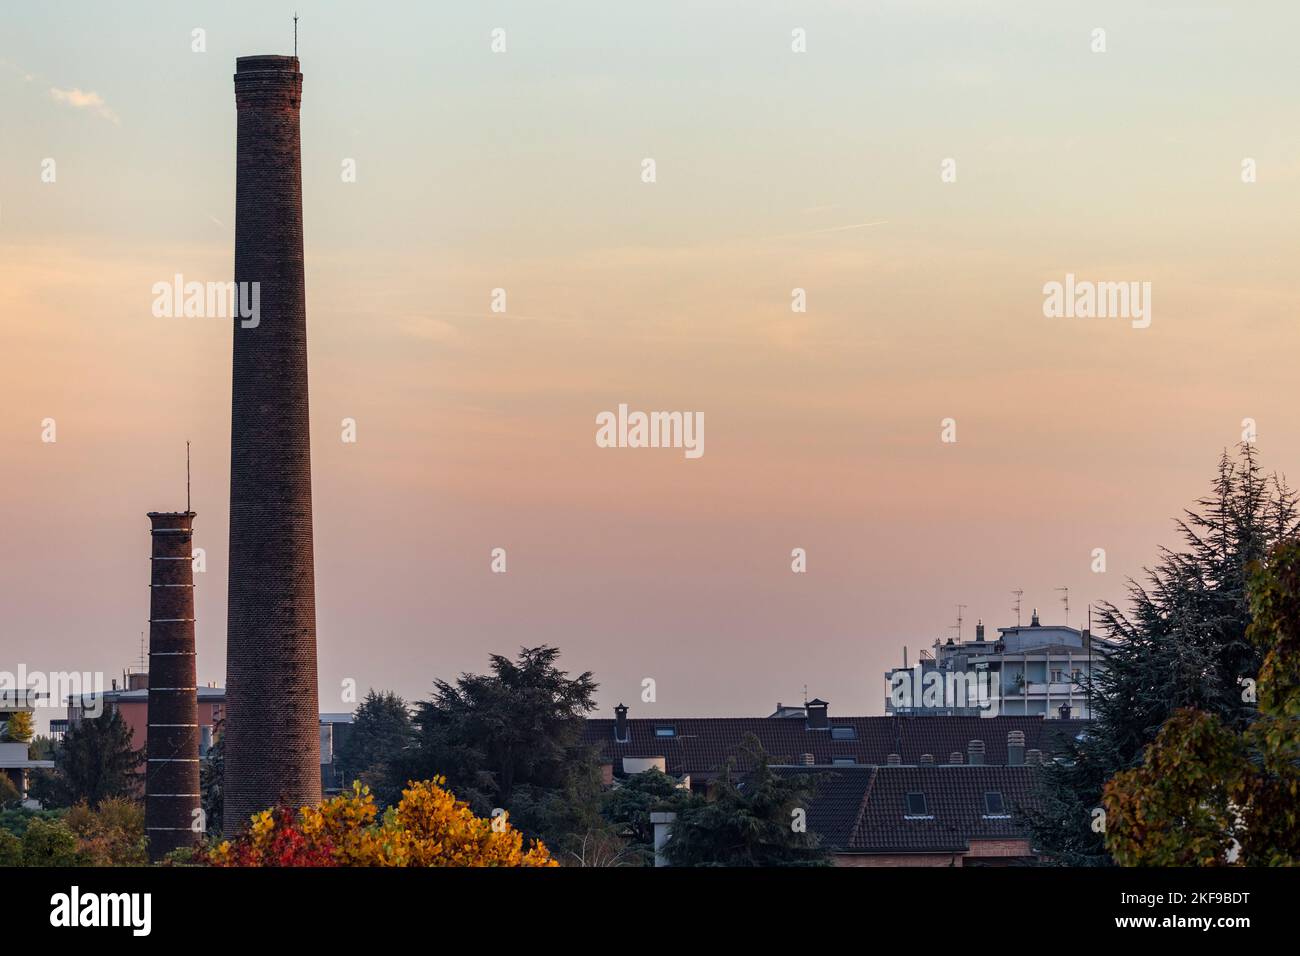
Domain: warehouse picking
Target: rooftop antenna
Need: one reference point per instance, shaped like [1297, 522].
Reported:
[1019, 593]
[1065, 599]
[957, 626]
[295, 33]
[1087, 690]
[143, 656]
[187, 477]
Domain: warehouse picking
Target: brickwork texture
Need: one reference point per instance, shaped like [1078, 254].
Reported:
[172, 752]
[272, 735]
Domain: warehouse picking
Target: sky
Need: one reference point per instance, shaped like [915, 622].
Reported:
[775, 170]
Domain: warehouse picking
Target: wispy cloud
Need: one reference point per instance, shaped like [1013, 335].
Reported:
[83, 100]
[818, 232]
[16, 69]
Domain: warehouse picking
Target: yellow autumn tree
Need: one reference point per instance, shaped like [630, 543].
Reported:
[19, 728]
[428, 827]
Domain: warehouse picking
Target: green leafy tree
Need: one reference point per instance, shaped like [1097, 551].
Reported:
[11, 849]
[50, 843]
[628, 806]
[1181, 644]
[47, 788]
[112, 835]
[520, 725]
[211, 778]
[17, 820]
[1207, 794]
[97, 761]
[10, 795]
[748, 821]
[567, 817]
[380, 733]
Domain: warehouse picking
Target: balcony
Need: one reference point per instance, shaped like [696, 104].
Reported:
[13, 754]
[1062, 689]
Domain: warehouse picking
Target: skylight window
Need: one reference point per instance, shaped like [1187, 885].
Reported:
[844, 733]
[916, 805]
[665, 732]
[995, 808]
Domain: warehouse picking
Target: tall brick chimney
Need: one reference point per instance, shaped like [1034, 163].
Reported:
[171, 780]
[272, 730]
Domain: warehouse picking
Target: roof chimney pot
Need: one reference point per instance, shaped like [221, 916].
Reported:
[620, 724]
[1016, 748]
[818, 717]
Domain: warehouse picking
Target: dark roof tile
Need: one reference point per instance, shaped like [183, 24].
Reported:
[701, 745]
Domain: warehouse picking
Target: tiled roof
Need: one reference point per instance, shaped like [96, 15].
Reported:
[701, 745]
[956, 812]
[835, 811]
[865, 809]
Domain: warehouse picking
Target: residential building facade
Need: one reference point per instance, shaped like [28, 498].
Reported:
[1037, 670]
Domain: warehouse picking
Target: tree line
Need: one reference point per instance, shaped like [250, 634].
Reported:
[1192, 758]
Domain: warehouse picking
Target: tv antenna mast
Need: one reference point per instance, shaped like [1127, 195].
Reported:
[1065, 599]
[295, 33]
[187, 477]
[957, 627]
[1019, 593]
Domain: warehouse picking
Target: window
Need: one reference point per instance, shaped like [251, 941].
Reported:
[665, 732]
[843, 762]
[993, 803]
[844, 733]
[916, 806]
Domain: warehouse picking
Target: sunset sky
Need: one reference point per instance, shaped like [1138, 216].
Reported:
[775, 170]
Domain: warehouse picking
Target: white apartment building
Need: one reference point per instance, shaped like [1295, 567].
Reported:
[1025, 671]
